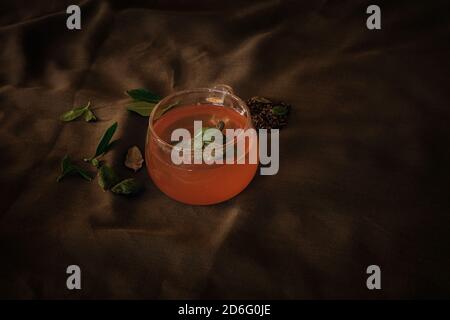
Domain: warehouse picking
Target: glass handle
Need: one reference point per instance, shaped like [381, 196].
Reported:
[224, 87]
[218, 93]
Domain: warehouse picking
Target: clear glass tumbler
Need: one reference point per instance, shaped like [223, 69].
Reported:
[199, 184]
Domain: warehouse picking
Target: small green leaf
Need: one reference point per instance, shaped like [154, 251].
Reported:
[107, 177]
[279, 110]
[141, 107]
[65, 168]
[89, 116]
[103, 146]
[95, 162]
[105, 140]
[127, 186]
[143, 95]
[74, 113]
[68, 168]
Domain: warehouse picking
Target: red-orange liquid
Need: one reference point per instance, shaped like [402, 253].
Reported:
[199, 184]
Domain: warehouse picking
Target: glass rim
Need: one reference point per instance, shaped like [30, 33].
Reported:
[248, 122]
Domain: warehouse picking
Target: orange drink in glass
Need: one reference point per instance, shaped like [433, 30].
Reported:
[202, 183]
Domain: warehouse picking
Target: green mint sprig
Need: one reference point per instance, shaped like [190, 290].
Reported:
[103, 146]
[78, 112]
[127, 187]
[143, 101]
[68, 168]
[108, 179]
[143, 95]
[142, 108]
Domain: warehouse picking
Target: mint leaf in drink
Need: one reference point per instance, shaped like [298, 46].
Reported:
[220, 125]
[127, 187]
[200, 140]
[143, 95]
[207, 135]
[107, 177]
[74, 113]
[141, 107]
[89, 116]
[68, 168]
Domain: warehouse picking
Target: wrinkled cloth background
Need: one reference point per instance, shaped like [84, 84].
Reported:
[365, 161]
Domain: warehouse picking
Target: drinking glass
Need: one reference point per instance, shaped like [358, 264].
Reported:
[199, 184]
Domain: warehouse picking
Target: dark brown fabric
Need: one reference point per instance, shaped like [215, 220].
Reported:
[365, 161]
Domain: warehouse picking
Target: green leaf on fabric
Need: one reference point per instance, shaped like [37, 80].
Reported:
[127, 187]
[107, 177]
[143, 95]
[103, 146]
[68, 168]
[104, 143]
[74, 113]
[141, 107]
[89, 116]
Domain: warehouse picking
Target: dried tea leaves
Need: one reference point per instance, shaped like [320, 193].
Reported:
[268, 114]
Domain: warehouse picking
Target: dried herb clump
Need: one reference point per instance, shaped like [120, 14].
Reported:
[268, 114]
